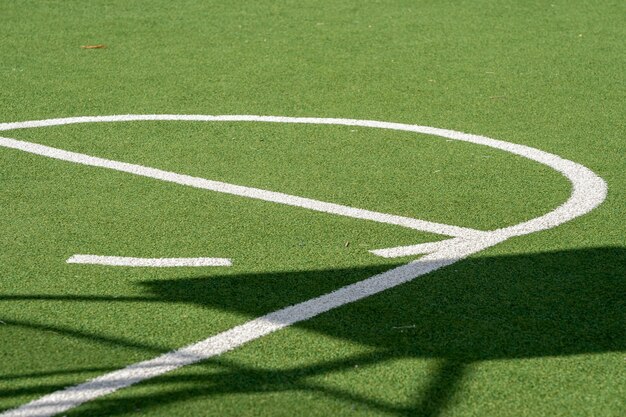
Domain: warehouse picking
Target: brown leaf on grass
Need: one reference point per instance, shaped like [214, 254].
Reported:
[99, 46]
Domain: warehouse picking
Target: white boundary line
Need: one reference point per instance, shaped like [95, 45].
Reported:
[147, 262]
[588, 191]
[238, 190]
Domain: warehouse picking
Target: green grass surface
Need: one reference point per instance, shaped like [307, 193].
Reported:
[393, 172]
[535, 326]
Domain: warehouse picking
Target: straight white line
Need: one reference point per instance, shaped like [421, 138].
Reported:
[61, 401]
[149, 262]
[418, 249]
[238, 190]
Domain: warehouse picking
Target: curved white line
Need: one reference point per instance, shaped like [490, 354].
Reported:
[588, 192]
[147, 262]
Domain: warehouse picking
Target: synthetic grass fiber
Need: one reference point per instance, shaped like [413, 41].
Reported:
[535, 326]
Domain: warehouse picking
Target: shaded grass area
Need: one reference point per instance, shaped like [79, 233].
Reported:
[51, 210]
[485, 310]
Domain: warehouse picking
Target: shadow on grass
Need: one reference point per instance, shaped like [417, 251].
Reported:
[535, 305]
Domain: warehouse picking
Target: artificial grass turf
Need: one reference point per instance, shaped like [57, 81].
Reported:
[546, 75]
[403, 173]
[521, 337]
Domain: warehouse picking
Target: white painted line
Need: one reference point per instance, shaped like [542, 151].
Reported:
[63, 400]
[147, 262]
[588, 191]
[238, 190]
[419, 249]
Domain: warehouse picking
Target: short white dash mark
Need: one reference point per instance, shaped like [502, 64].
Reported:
[147, 262]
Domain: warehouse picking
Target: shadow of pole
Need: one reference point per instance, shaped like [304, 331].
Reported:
[440, 390]
[484, 308]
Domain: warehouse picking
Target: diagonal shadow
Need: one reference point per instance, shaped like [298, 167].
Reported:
[546, 304]
[506, 307]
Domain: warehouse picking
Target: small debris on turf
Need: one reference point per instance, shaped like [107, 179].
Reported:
[347, 244]
[412, 326]
[99, 46]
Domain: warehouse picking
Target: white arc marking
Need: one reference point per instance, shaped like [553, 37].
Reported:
[588, 191]
[151, 262]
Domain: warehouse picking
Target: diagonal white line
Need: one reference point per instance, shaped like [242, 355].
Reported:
[222, 187]
[63, 400]
[418, 249]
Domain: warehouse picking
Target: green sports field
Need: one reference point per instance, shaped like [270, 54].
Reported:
[534, 325]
